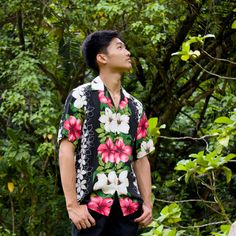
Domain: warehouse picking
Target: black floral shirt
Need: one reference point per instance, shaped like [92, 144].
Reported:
[107, 141]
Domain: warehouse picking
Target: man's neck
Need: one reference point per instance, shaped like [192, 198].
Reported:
[112, 81]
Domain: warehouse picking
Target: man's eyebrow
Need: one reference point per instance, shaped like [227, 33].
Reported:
[120, 43]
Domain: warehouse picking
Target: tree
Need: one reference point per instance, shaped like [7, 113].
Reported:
[41, 61]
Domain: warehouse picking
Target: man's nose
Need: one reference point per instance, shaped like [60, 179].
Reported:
[128, 53]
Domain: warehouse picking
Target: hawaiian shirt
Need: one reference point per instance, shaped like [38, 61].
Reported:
[107, 141]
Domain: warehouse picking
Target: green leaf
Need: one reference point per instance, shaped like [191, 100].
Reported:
[223, 120]
[169, 232]
[171, 213]
[234, 25]
[224, 141]
[230, 157]
[152, 123]
[12, 134]
[100, 130]
[225, 228]
[185, 57]
[100, 169]
[187, 176]
[185, 165]
[228, 173]
[158, 230]
[186, 47]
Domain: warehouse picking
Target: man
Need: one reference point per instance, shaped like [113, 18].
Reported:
[104, 146]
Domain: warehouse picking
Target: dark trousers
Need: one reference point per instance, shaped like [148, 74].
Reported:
[113, 225]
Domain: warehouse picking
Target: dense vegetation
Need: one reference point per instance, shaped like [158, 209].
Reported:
[184, 76]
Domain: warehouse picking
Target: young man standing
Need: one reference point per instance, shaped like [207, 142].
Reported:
[104, 144]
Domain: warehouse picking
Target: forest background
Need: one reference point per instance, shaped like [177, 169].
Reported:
[184, 54]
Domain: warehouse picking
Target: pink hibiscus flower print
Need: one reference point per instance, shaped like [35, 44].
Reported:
[73, 127]
[142, 127]
[128, 206]
[104, 99]
[107, 151]
[100, 205]
[123, 103]
[122, 152]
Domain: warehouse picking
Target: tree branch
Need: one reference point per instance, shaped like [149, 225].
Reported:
[20, 29]
[182, 32]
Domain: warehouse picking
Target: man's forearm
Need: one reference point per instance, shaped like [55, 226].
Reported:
[67, 172]
[143, 175]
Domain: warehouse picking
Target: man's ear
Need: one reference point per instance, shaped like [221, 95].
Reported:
[101, 58]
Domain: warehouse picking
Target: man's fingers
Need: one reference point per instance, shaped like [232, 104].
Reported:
[141, 218]
[83, 225]
[146, 221]
[91, 220]
[87, 223]
[78, 226]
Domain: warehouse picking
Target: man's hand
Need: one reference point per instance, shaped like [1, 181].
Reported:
[146, 218]
[80, 216]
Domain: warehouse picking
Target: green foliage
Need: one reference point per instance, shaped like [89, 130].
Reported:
[153, 128]
[161, 226]
[186, 53]
[234, 23]
[224, 231]
[41, 61]
[204, 163]
[5, 232]
[225, 129]
[170, 213]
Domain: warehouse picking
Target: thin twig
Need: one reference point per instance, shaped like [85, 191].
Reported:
[187, 200]
[188, 137]
[205, 225]
[216, 75]
[218, 59]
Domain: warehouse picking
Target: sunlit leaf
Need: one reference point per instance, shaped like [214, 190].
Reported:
[10, 186]
[224, 141]
[234, 25]
[185, 57]
[223, 120]
[228, 173]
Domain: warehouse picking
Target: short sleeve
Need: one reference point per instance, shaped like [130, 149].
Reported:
[143, 144]
[72, 119]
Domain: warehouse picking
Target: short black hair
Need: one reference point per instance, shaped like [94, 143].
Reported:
[95, 43]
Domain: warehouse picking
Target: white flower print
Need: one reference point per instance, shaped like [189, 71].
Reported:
[111, 183]
[102, 181]
[82, 160]
[109, 119]
[146, 148]
[122, 123]
[81, 185]
[80, 100]
[115, 122]
[81, 188]
[80, 174]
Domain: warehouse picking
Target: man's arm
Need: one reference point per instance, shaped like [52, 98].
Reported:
[77, 213]
[143, 174]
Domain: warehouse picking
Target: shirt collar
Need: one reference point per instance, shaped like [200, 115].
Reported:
[97, 84]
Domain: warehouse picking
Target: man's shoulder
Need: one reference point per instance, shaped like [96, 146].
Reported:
[82, 87]
[79, 91]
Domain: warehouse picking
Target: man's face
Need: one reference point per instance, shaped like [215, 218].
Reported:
[118, 57]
